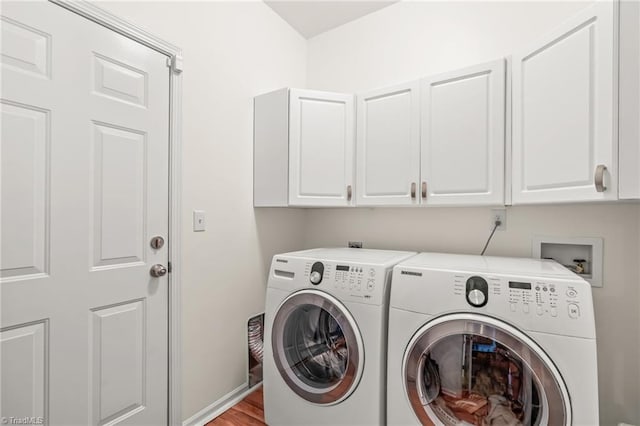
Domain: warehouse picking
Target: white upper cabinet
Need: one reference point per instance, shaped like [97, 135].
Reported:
[629, 100]
[564, 146]
[463, 136]
[303, 149]
[388, 146]
[321, 132]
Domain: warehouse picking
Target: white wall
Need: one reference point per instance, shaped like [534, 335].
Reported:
[412, 39]
[232, 51]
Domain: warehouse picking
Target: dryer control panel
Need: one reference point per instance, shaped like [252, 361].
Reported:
[355, 282]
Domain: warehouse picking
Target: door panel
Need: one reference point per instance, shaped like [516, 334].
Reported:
[463, 133]
[570, 60]
[119, 193]
[119, 81]
[320, 141]
[388, 145]
[85, 189]
[320, 148]
[563, 106]
[24, 368]
[25, 48]
[118, 361]
[25, 190]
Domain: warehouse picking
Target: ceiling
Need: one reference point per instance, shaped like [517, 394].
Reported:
[312, 17]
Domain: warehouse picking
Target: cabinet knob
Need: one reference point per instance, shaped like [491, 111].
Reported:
[413, 190]
[348, 192]
[424, 190]
[598, 178]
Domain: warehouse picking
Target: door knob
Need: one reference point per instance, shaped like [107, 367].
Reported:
[158, 270]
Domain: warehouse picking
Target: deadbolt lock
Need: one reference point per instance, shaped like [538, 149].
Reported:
[157, 242]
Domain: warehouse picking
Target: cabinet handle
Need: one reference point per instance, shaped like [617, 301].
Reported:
[348, 192]
[424, 190]
[413, 190]
[598, 178]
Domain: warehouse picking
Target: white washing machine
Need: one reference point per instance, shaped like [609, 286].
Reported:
[490, 340]
[325, 336]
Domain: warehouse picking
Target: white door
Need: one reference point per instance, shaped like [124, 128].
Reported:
[563, 112]
[320, 148]
[463, 133]
[388, 146]
[84, 187]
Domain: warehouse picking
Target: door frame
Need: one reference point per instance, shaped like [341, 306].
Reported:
[174, 62]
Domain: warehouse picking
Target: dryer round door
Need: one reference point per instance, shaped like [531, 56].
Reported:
[476, 369]
[317, 347]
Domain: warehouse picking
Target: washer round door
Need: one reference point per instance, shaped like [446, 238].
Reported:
[317, 347]
[479, 370]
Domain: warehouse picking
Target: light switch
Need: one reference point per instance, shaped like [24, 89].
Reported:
[198, 221]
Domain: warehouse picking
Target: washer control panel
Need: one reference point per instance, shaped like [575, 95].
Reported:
[560, 303]
[357, 281]
[538, 298]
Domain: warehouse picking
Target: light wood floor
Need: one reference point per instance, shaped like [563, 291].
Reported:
[248, 412]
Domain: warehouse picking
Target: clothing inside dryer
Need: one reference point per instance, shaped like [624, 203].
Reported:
[315, 347]
[476, 380]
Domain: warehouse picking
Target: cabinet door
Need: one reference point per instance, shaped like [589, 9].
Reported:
[388, 146]
[321, 143]
[563, 112]
[629, 100]
[463, 133]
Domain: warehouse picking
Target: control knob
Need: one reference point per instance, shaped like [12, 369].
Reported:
[317, 270]
[315, 277]
[477, 291]
[476, 297]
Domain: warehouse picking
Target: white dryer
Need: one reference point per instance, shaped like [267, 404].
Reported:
[325, 336]
[490, 340]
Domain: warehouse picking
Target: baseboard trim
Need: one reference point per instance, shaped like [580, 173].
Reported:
[212, 411]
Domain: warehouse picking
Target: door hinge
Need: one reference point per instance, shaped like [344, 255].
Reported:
[175, 63]
[169, 267]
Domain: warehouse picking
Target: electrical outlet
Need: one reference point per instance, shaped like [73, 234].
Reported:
[501, 215]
